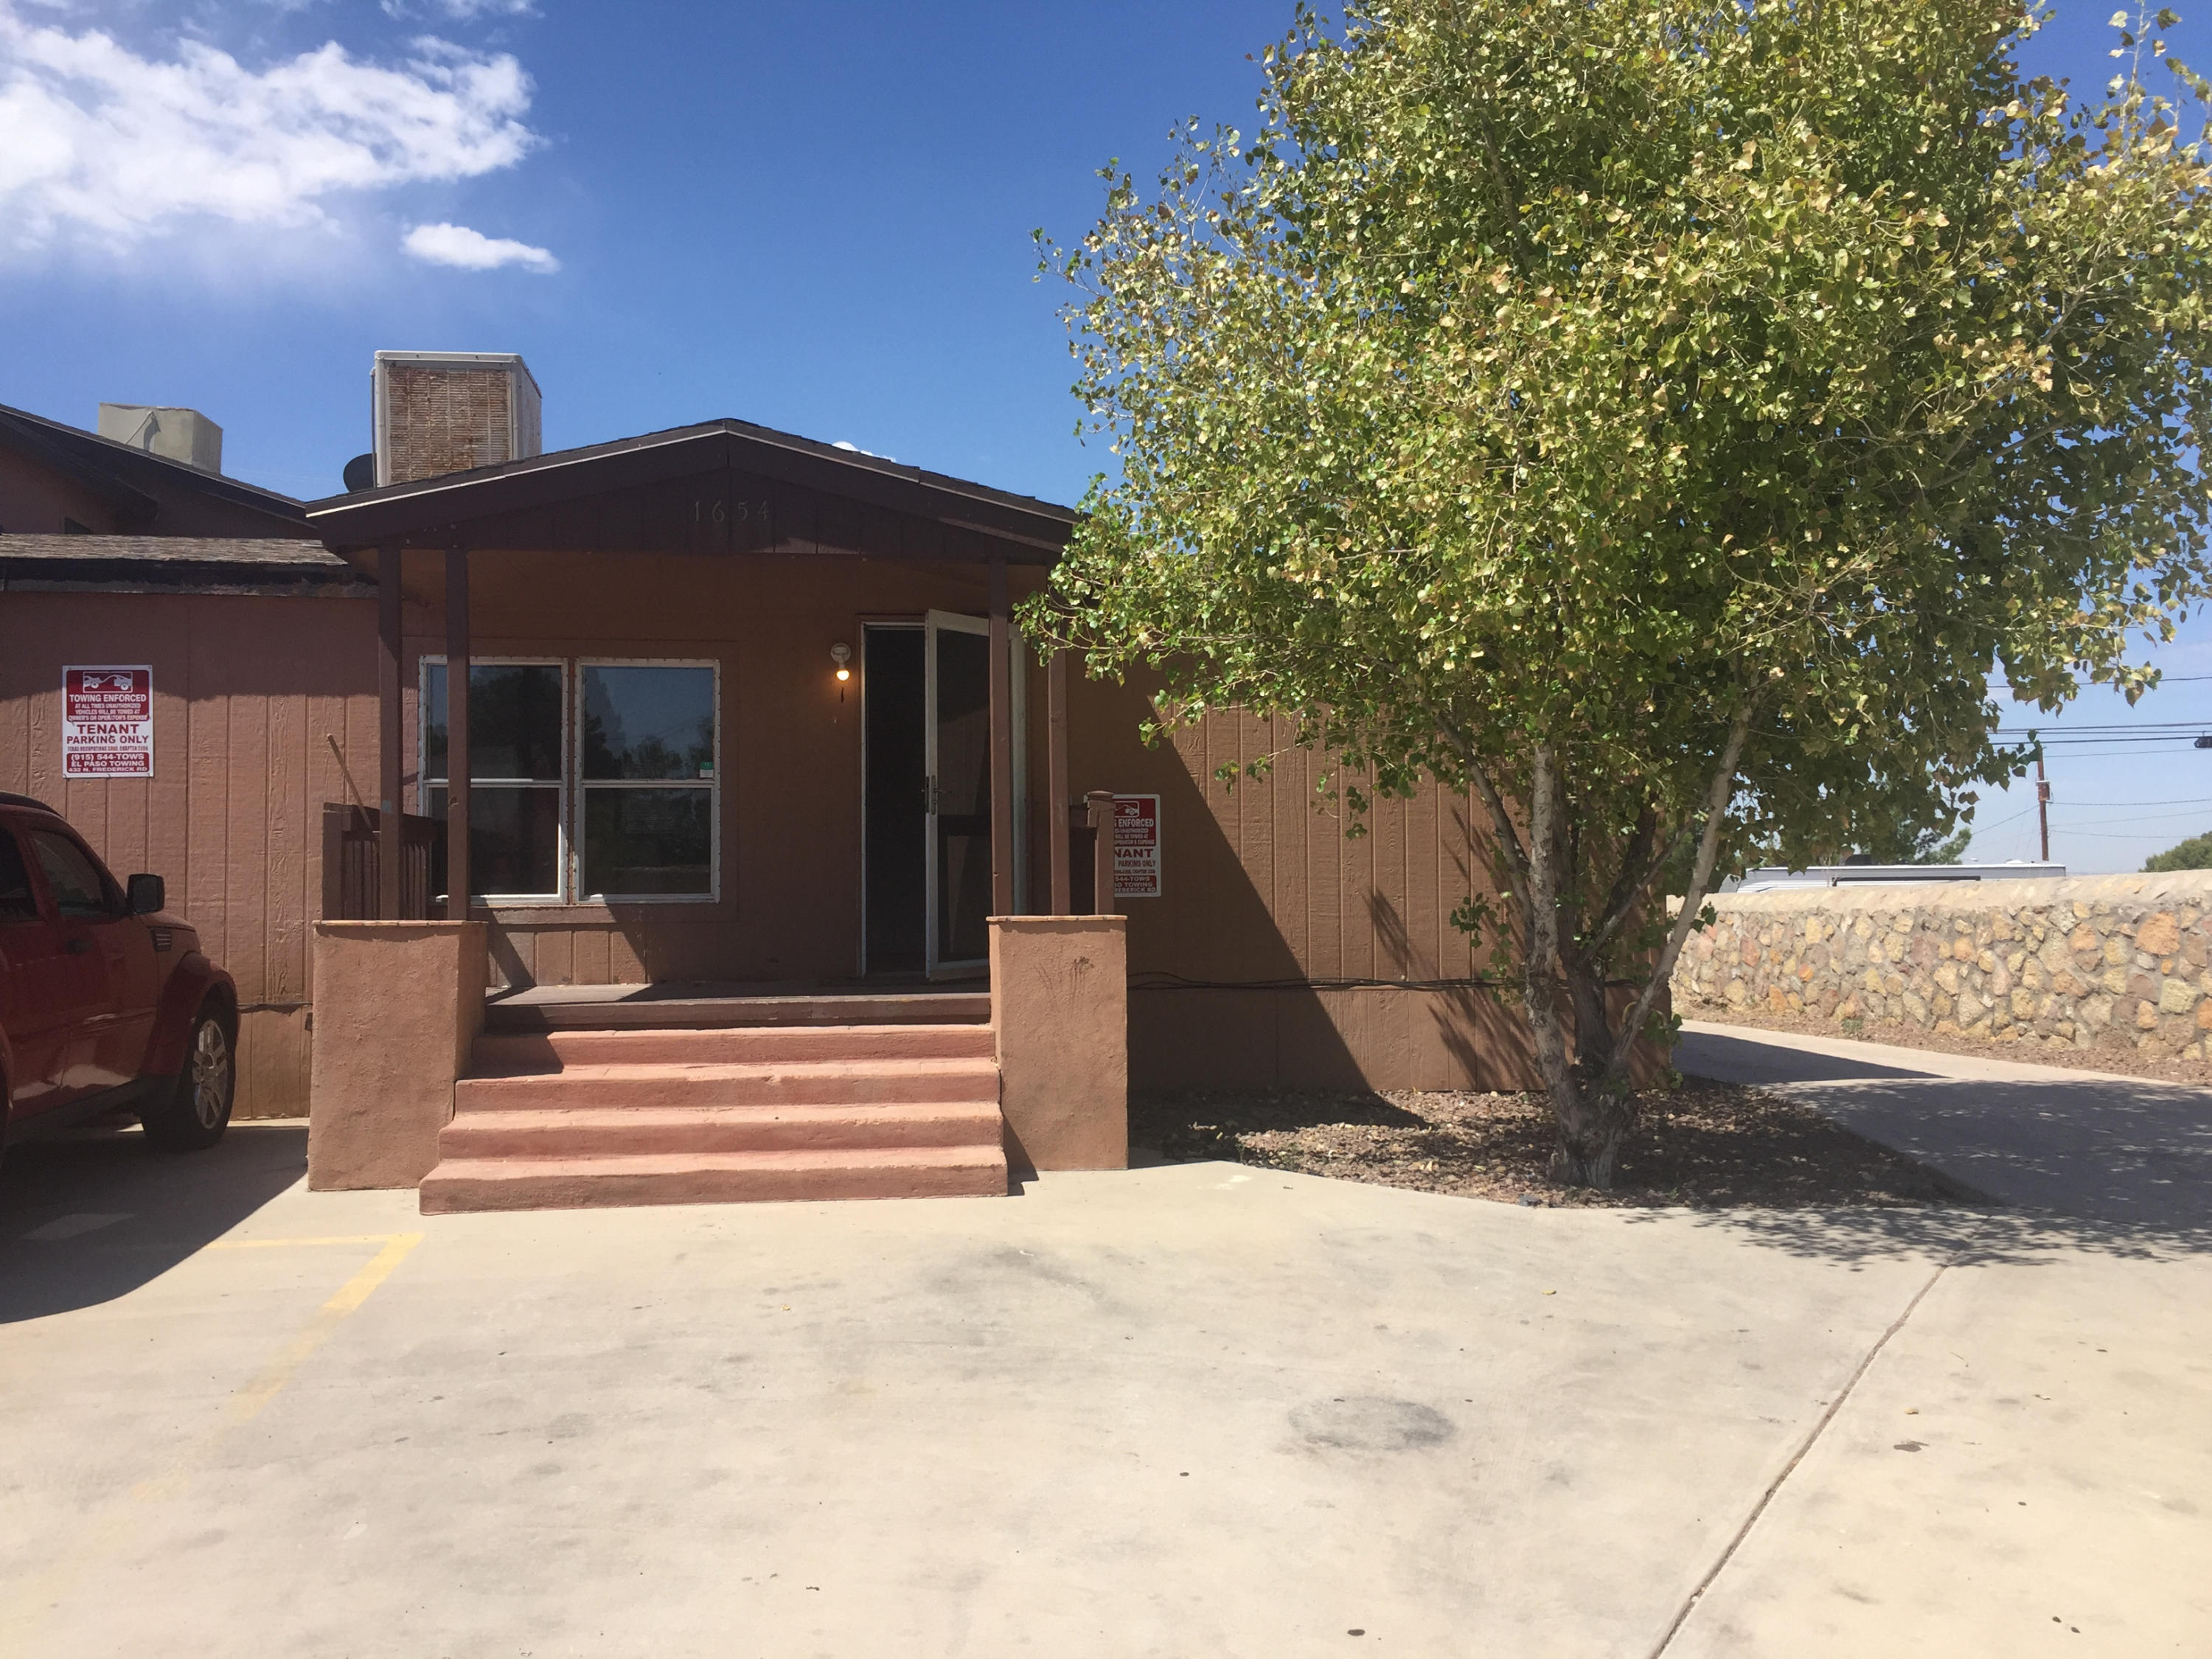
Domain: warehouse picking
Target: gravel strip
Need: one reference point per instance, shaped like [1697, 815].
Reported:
[1703, 1145]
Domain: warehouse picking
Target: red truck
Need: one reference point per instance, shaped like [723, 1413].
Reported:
[106, 1001]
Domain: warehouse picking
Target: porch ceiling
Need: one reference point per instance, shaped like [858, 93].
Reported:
[726, 487]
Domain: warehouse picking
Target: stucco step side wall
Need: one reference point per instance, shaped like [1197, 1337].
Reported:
[571, 1183]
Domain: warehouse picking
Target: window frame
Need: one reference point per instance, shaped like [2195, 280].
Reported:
[562, 786]
[580, 786]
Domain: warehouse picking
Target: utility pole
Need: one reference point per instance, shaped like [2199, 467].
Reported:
[2042, 808]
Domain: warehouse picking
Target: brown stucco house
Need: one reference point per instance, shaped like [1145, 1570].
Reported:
[777, 837]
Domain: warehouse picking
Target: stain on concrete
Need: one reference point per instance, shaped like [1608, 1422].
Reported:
[1370, 1423]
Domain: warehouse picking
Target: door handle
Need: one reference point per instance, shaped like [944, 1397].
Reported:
[77, 946]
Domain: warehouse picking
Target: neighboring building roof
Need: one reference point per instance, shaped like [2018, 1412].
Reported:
[145, 491]
[661, 489]
[176, 564]
[1770, 878]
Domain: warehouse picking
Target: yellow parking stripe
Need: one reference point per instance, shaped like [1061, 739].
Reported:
[247, 1402]
[22, 1610]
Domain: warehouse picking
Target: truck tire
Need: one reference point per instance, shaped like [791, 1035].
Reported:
[195, 1110]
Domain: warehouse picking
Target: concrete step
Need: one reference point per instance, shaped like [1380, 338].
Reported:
[570, 1183]
[606, 1008]
[789, 1083]
[598, 1131]
[505, 1053]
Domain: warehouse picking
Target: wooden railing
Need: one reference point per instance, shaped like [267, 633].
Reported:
[351, 869]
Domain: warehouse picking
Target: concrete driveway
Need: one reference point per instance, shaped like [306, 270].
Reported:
[1197, 1410]
[2093, 1146]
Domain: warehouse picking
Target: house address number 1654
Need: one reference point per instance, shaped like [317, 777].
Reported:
[706, 511]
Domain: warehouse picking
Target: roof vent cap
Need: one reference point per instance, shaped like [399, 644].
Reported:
[175, 434]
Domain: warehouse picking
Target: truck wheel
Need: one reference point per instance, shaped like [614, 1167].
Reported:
[195, 1111]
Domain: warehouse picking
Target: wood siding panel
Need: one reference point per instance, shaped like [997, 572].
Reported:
[290, 824]
[243, 687]
[245, 847]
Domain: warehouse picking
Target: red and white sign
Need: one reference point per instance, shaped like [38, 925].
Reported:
[107, 722]
[1136, 846]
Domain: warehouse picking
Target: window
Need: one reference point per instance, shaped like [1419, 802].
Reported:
[17, 901]
[516, 736]
[617, 797]
[649, 786]
[73, 879]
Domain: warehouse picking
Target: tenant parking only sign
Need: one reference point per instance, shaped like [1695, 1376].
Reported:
[107, 722]
[1136, 846]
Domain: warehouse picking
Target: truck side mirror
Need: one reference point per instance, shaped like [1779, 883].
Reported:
[146, 895]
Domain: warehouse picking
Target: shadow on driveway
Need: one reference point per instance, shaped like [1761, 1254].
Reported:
[2078, 1162]
[1747, 1060]
[86, 1219]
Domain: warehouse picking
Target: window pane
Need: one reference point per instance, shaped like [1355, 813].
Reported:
[515, 721]
[641, 722]
[647, 841]
[16, 903]
[70, 876]
[514, 841]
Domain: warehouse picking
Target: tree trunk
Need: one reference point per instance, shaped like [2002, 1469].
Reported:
[1590, 1129]
[1593, 1100]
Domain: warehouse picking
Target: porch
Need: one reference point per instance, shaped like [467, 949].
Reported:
[738, 894]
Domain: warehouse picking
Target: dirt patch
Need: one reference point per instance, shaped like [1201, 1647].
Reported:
[1705, 1146]
[2127, 1062]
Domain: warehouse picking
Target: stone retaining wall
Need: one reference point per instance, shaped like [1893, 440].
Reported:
[2099, 962]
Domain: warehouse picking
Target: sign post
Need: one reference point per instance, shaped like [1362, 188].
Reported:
[107, 722]
[1136, 846]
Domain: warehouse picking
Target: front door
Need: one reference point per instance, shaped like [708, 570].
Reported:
[925, 691]
[957, 730]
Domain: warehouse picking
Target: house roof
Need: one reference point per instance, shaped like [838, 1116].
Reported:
[173, 564]
[724, 486]
[135, 483]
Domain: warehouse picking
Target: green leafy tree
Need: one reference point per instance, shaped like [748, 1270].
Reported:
[2195, 854]
[1656, 417]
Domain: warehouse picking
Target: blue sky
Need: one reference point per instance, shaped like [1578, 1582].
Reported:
[814, 217]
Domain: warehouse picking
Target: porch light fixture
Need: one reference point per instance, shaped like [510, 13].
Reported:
[841, 653]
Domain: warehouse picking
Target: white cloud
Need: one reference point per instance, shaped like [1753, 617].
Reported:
[461, 11]
[471, 250]
[99, 145]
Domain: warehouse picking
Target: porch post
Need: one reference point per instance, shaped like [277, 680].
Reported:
[1002, 747]
[390, 831]
[456, 734]
[1056, 781]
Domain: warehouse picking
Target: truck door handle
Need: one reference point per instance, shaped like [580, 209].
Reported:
[77, 946]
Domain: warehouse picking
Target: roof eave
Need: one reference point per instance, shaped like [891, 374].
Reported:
[439, 506]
